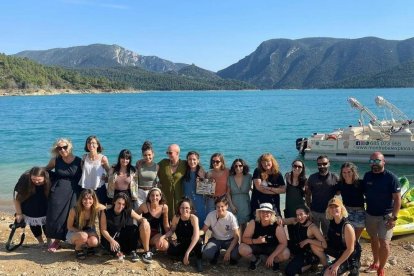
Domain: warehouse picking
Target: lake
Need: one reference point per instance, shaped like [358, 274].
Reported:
[240, 124]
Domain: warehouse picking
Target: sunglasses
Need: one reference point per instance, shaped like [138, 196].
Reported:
[62, 148]
[323, 164]
[238, 166]
[375, 161]
[216, 161]
[169, 152]
[297, 166]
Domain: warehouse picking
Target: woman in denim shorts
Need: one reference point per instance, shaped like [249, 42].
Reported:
[350, 187]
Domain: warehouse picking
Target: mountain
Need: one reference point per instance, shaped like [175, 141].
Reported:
[318, 62]
[100, 55]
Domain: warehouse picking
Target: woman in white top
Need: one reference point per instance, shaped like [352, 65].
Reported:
[95, 166]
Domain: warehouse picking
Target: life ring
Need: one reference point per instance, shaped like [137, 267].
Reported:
[331, 137]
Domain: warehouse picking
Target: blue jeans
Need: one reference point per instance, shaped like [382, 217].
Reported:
[212, 249]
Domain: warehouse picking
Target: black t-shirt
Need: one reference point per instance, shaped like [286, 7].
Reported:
[378, 188]
[322, 188]
[352, 194]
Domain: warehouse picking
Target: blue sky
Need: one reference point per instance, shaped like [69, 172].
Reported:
[211, 34]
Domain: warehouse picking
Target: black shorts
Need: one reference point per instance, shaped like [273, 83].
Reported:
[263, 249]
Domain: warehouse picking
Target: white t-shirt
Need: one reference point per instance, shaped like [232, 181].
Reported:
[222, 228]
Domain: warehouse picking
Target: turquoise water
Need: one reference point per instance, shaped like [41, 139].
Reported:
[239, 124]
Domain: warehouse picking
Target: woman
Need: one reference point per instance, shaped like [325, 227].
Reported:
[185, 226]
[306, 242]
[120, 234]
[30, 200]
[81, 223]
[225, 233]
[122, 178]
[264, 236]
[342, 243]
[155, 211]
[350, 187]
[64, 190]
[95, 166]
[295, 190]
[195, 171]
[239, 185]
[219, 173]
[147, 171]
[268, 183]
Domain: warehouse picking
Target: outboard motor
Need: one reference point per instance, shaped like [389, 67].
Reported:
[10, 246]
[301, 144]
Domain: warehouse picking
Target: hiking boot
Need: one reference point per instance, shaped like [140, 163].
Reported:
[199, 265]
[147, 257]
[381, 272]
[373, 268]
[134, 257]
[254, 264]
[276, 267]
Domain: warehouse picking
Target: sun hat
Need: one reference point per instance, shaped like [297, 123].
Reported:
[266, 207]
[335, 201]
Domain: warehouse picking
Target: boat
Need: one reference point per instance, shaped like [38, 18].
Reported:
[405, 222]
[391, 136]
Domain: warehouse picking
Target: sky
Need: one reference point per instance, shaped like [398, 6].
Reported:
[212, 34]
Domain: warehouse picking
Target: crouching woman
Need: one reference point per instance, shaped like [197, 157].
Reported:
[81, 223]
[342, 243]
[119, 232]
[263, 236]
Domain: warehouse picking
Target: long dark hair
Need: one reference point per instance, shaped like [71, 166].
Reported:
[246, 168]
[125, 153]
[302, 176]
[200, 172]
[26, 187]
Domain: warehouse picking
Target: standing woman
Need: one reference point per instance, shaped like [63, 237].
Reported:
[239, 185]
[156, 212]
[30, 200]
[194, 171]
[147, 171]
[95, 166]
[220, 174]
[81, 223]
[122, 178]
[268, 183]
[295, 190]
[64, 190]
[185, 226]
[350, 187]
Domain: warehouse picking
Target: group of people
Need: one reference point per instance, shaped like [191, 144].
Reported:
[147, 204]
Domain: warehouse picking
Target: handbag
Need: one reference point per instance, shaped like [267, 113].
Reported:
[205, 186]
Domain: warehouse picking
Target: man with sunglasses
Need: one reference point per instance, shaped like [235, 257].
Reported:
[383, 197]
[319, 189]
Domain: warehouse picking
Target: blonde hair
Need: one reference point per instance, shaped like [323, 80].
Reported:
[344, 213]
[272, 218]
[80, 211]
[275, 166]
[54, 151]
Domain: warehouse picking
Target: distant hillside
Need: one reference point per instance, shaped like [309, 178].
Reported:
[144, 80]
[193, 71]
[100, 55]
[24, 74]
[318, 62]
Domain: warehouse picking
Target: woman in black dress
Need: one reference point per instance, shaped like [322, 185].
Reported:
[30, 200]
[64, 190]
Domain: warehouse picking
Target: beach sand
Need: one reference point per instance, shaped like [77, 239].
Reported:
[32, 259]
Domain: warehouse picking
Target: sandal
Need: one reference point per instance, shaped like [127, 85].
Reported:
[80, 254]
[54, 246]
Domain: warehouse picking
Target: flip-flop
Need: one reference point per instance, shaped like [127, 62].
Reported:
[53, 247]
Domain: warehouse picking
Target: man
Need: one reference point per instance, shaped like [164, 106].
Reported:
[319, 189]
[383, 197]
[170, 173]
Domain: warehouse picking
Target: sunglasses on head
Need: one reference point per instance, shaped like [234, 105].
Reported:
[61, 148]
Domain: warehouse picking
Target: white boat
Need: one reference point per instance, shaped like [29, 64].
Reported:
[393, 137]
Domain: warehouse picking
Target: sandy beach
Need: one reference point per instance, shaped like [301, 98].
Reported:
[32, 259]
